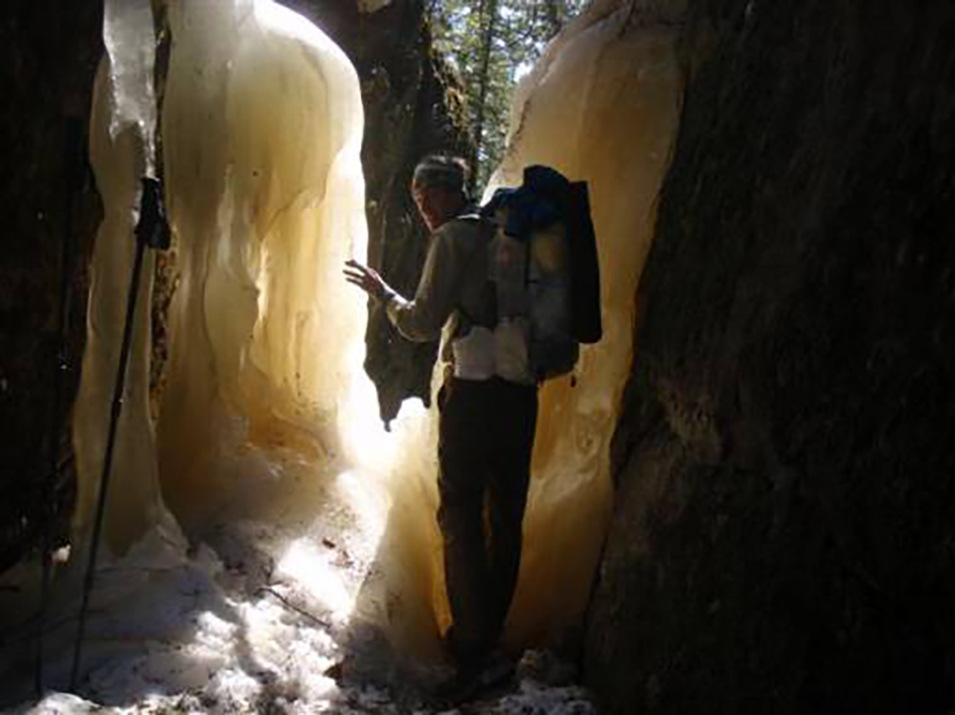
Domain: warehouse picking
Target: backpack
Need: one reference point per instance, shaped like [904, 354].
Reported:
[543, 265]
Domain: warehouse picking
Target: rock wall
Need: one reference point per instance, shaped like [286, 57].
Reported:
[783, 536]
[48, 55]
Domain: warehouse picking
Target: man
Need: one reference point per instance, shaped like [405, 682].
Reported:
[487, 423]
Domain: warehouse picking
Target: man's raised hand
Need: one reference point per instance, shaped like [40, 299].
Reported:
[365, 278]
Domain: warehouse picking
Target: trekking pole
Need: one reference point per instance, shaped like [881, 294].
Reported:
[75, 176]
[153, 230]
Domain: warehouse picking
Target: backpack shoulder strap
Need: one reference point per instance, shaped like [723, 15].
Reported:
[488, 300]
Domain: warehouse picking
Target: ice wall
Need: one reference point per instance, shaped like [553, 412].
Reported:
[266, 392]
[266, 399]
[601, 106]
[262, 128]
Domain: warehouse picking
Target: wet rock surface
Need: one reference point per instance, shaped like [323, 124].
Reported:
[782, 537]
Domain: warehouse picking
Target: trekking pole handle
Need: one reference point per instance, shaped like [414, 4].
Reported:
[152, 226]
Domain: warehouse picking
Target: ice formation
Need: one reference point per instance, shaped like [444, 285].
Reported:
[262, 127]
[122, 129]
[601, 106]
[267, 420]
[266, 410]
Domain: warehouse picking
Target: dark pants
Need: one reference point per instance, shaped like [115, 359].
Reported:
[484, 454]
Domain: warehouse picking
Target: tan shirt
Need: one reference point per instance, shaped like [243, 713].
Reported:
[453, 286]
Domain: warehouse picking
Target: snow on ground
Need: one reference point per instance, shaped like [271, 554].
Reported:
[252, 621]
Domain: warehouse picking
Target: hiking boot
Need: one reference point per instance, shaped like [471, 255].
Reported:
[496, 668]
[473, 679]
[464, 685]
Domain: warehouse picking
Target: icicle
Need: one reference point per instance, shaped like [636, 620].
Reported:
[130, 38]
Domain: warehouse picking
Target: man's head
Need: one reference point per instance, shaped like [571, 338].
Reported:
[438, 188]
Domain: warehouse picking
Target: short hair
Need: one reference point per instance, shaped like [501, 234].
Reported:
[441, 171]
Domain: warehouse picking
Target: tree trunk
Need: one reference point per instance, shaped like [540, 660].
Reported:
[488, 20]
[554, 13]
